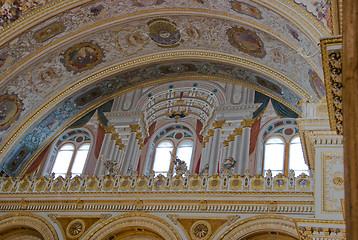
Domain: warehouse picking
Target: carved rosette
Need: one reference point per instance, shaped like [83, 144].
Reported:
[200, 230]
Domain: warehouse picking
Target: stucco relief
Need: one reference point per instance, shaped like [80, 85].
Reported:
[87, 15]
[133, 39]
[333, 183]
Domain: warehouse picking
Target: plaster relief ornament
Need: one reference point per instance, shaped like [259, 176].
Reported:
[246, 41]
[129, 40]
[164, 33]
[146, 3]
[246, 9]
[82, 56]
[10, 108]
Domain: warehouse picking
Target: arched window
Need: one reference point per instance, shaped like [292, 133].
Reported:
[167, 150]
[163, 157]
[185, 151]
[297, 161]
[70, 154]
[274, 155]
[281, 156]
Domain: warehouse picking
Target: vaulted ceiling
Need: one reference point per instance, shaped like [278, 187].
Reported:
[62, 59]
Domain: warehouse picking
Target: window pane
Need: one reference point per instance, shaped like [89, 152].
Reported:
[297, 161]
[63, 160]
[184, 151]
[274, 155]
[80, 159]
[162, 157]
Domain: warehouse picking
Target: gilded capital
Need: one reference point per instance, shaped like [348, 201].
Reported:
[203, 144]
[226, 143]
[114, 136]
[238, 131]
[211, 132]
[206, 138]
[109, 129]
[247, 122]
[138, 135]
[219, 124]
[118, 142]
[121, 146]
[134, 128]
[231, 138]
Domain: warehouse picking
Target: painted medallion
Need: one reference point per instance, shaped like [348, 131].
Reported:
[246, 9]
[164, 33]
[246, 41]
[83, 56]
[317, 84]
[10, 108]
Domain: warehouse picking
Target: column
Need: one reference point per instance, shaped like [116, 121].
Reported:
[236, 152]
[231, 140]
[205, 157]
[245, 145]
[214, 154]
[112, 146]
[350, 114]
[104, 149]
[225, 150]
[130, 147]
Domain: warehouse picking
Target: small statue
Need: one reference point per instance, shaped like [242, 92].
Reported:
[180, 166]
[205, 169]
[111, 167]
[228, 165]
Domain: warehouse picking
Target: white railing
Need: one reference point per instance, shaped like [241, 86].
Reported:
[152, 183]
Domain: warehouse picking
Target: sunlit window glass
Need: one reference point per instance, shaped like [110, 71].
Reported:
[163, 157]
[297, 161]
[274, 155]
[184, 151]
[80, 159]
[63, 160]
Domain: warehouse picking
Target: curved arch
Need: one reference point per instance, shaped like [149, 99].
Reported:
[113, 87]
[260, 223]
[156, 224]
[29, 220]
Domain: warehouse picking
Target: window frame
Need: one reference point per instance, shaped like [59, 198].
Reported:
[76, 148]
[286, 155]
[175, 150]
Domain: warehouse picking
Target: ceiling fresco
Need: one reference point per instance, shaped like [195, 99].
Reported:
[64, 64]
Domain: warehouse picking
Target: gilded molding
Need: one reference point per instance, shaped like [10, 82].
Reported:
[332, 67]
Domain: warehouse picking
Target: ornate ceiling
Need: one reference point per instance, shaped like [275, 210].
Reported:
[61, 59]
